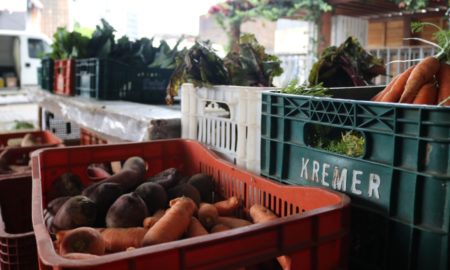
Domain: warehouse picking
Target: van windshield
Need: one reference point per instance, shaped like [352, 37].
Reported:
[37, 48]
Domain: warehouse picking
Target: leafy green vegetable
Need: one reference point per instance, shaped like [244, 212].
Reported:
[201, 66]
[303, 89]
[166, 57]
[102, 40]
[252, 66]
[346, 65]
[350, 144]
[68, 45]
[22, 125]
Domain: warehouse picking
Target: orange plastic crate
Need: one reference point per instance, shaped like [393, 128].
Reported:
[87, 138]
[313, 231]
[64, 77]
[48, 139]
[17, 241]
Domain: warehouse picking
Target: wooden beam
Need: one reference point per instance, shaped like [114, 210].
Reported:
[324, 32]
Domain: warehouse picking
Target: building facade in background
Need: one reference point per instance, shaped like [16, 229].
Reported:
[55, 13]
[22, 15]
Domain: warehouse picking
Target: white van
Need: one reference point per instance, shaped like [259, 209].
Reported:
[20, 53]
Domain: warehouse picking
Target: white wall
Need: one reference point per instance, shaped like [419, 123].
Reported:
[294, 36]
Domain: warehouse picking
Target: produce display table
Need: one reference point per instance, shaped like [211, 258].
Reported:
[114, 120]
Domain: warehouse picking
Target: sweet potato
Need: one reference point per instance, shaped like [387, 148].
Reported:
[227, 207]
[195, 228]
[204, 184]
[68, 184]
[82, 240]
[54, 206]
[150, 221]
[186, 190]
[104, 195]
[173, 224]
[76, 212]
[260, 213]
[167, 178]
[120, 239]
[207, 214]
[154, 196]
[219, 228]
[30, 140]
[129, 210]
[233, 222]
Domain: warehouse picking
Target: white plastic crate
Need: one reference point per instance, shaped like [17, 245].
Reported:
[225, 118]
[59, 126]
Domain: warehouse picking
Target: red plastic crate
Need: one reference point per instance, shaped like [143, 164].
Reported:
[313, 231]
[64, 77]
[17, 241]
[48, 139]
[87, 138]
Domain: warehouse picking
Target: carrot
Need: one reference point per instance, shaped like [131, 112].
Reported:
[120, 239]
[82, 240]
[394, 94]
[427, 95]
[260, 214]
[207, 214]
[150, 221]
[422, 73]
[219, 228]
[227, 207]
[444, 84]
[388, 87]
[173, 224]
[195, 228]
[233, 222]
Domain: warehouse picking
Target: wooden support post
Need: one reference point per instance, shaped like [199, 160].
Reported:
[324, 39]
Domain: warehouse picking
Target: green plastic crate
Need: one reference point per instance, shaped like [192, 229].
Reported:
[107, 79]
[150, 85]
[103, 79]
[45, 74]
[400, 186]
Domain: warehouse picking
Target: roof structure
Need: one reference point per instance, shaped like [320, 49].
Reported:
[373, 9]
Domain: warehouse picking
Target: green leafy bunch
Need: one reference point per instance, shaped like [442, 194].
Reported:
[199, 65]
[68, 45]
[252, 66]
[294, 88]
[346, 65]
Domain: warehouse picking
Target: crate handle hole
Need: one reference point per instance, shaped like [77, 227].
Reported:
[337, 140]
[217, 109]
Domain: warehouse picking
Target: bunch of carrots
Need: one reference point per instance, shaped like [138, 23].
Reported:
[428, 82]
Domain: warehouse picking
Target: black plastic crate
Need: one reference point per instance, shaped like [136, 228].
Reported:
[400, 186]
[103, 79]
[45, 74]
[57, 125]
[150, 85]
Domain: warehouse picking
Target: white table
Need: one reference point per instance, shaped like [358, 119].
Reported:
[114, 120]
